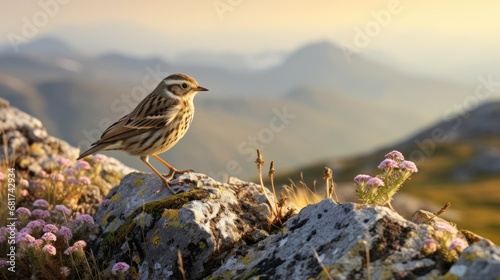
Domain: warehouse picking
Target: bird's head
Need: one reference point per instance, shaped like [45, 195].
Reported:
[183, 86]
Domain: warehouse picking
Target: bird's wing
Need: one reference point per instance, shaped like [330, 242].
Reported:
[154, 111]
[118, 131]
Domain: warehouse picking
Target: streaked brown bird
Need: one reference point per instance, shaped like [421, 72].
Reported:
[155, 125]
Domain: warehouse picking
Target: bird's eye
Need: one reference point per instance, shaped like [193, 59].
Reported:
[184, 85]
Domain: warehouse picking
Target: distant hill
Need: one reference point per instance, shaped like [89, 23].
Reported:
[42, 45]
[341, 108]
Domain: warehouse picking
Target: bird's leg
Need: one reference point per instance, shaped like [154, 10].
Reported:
[145, 159]
[172, 169]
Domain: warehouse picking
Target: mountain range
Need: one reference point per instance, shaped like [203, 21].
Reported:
[339, 108]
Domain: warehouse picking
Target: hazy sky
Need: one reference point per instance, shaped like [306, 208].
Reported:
[439, 37]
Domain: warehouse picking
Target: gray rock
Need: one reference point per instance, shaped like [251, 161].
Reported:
[28, 142]
[205, 220]
[340, 234]
[345, 238]
[478, 261]
[222, 232]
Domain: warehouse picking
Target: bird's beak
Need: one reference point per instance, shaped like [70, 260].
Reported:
[201, 89]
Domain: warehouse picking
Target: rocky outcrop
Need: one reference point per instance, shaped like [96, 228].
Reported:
[26, 141]
[204, 221]
[222, 231]
[478, 261]
[348, 241]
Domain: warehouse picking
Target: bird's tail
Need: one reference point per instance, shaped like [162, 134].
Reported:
[92, 150]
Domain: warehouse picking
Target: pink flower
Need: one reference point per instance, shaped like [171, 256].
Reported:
[2, 177]
[27, 238]
[429, 246]
[86, 218]
[362, 178]
[23, 211]
[80, 244]
[100, 158]
[42, 214]
[388, 164]
[120, 267]
[105, 202]
[63, 209]
[49, 236]
[444, 226]
[43, 174]
[20, 237]
[39, 184]
[85, 180]
[36, 223]
[458, 244]
[72, 181]
[63, 162]
[26, 230]
[24, 192]
[37, 243]
[58, 177]
[81, 164]
[50, 228]
[408, 165]
[49, 249]
[375, 182]
[65, 233]
[42, 203]
[70, 171]
[4, 230]
[69, 250]
[395, 155]
[64, 271]
[24, 183]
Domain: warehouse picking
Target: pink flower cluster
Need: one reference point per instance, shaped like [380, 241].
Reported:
[458, 244]
[42, 203]
[66, 233]
[75, 171]
[22, 211]
[63, 209]
[100, 158]
[445, 226]
[395, 160]
[78, 245]
[64, 162]
[49, 236]
[120, 267]
[49, 249]
[86, 218]
[380, 189]
[50, 228]
[429, 246]
[81, 164]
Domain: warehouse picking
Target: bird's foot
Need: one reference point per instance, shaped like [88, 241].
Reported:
[165, 184]
[173, 172]
[171, 175]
